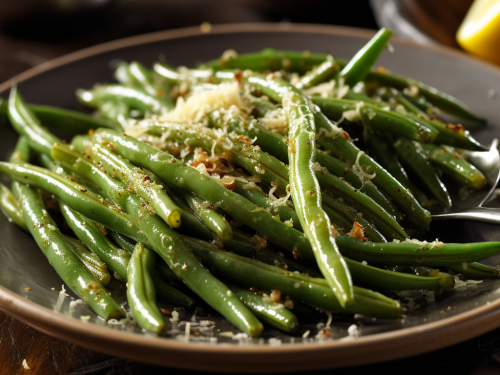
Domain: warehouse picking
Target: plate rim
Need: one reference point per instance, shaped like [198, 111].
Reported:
[390, 345]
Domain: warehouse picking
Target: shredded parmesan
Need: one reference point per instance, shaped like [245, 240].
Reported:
[331, 134]
[198, 104]
[129, 319]
[353, 330]
[25, 365]
[358, 170]
[464, 284]
[276, 120]
[175, 316]
[432, 244]
[325, 90]
[60, 299]
[276, 202]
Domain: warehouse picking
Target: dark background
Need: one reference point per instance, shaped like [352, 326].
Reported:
[35, 31]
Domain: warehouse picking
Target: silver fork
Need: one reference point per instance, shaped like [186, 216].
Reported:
[470, 207]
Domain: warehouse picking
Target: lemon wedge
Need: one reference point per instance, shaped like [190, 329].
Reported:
[479, 33]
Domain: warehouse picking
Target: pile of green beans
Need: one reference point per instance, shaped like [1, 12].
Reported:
[238, 200]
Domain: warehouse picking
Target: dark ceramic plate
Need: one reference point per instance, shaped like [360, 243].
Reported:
[449, 318]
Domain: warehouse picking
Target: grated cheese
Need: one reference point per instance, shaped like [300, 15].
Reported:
[433, 244]
[193, 109]
[276, 120]
[175, 316]
[325, 90]
[358, 170]
[25, 365]
[276, 202]
[331, 134]
[353, 330]
[464, 284]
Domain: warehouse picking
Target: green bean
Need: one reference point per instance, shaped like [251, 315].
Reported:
[352, 215]
[413, 156]
[165, 291]
[133, 97]
[176, 77]
[250, 247]
[396, 99]
[269, 59]
[284, 212]
[60, 119]
[342, 148]
[21, 153]
[396, 280]
[306, 195]
[379, 150]
[164, 241]
[343, 170]
[144, 79]
[340, 222]
[359, 66]
[365, 204]
[114, 257]
[296, 286]
[25, 123]
[214, 221]
[141, 295]
[261, 106]
[59, 255]
[452, 165]
[305, 190]
[454, 135]
[475, 270]
[273, 313]
[10, 207]
[122, 241]
[191, 224]
[376, 118]
[419, 271]
[269, 141]
[406, 253]
[147, 189]
[324, 72]
[168, 73]
[419, 101]
[90, 261]
[117, 113]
